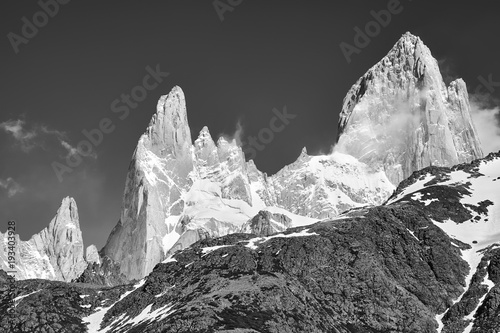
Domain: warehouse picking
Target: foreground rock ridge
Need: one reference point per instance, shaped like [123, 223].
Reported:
[428, 260]
[56, 252]
[401, 115]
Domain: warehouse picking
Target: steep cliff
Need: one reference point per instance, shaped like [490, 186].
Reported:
[157, 176]
[401, 116]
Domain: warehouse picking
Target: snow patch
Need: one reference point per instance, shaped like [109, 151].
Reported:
[413, 234]
[255, 242]
[94, 320]
[164, 292]
[169, 259]
[207, 250]
[18, 299]
[145, 316]
[486, 281]
[169, 240]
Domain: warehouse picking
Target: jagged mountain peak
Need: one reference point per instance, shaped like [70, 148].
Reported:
[410, 45]
[401, 116]
[407, 42]
[204, 132]
[204, 138]
[229, 149]
[205, 149]
[92, 254]
[303, 153]
[168, 131]
[56, 252]
[67, 214]
[408, 59]
[222, 141]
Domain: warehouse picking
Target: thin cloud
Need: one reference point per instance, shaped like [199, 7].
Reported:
[236, 135]
[71, 150]
[28, 137]
[17, 129]
[11, 186]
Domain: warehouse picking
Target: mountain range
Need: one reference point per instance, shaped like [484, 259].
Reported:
[397, 229]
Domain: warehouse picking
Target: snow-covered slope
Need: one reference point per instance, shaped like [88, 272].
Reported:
[475, 186]
[324, 186]
[55, 253]
[464, 201]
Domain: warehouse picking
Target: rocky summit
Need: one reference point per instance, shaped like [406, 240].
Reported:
[401, 116]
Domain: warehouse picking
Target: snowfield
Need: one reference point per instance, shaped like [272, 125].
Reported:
[480, 232]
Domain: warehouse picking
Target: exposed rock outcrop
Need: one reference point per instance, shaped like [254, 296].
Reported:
[92, 255]
[103, 273]
[266, 223]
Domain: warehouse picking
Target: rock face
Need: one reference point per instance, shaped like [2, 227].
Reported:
[92, 255]
[402, 117]
[103, 273]
[266, 223]
[158, 174]
[55, 253]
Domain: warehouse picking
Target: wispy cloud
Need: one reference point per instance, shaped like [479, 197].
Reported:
[487, 122]
[71, 150]
[29, 136]
[11, 186]
[17, 129]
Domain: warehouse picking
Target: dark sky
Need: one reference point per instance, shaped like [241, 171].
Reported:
[263, 55]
